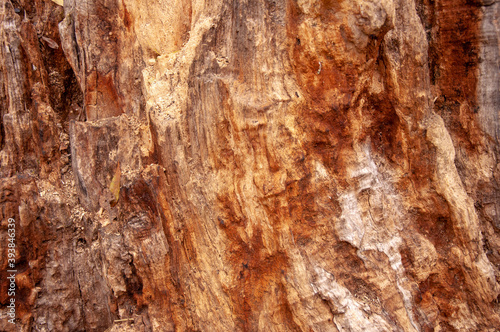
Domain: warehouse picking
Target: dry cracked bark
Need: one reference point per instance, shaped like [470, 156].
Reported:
[283, 165]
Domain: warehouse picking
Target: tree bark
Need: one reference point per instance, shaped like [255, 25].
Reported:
[236, 165]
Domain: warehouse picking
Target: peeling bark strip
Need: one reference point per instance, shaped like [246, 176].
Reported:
[237, 165]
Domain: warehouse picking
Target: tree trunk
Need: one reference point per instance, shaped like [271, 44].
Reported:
[237, 165]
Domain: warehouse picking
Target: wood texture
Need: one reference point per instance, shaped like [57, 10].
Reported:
[237, 165]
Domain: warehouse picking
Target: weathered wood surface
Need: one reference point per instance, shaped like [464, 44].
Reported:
[283, 165]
